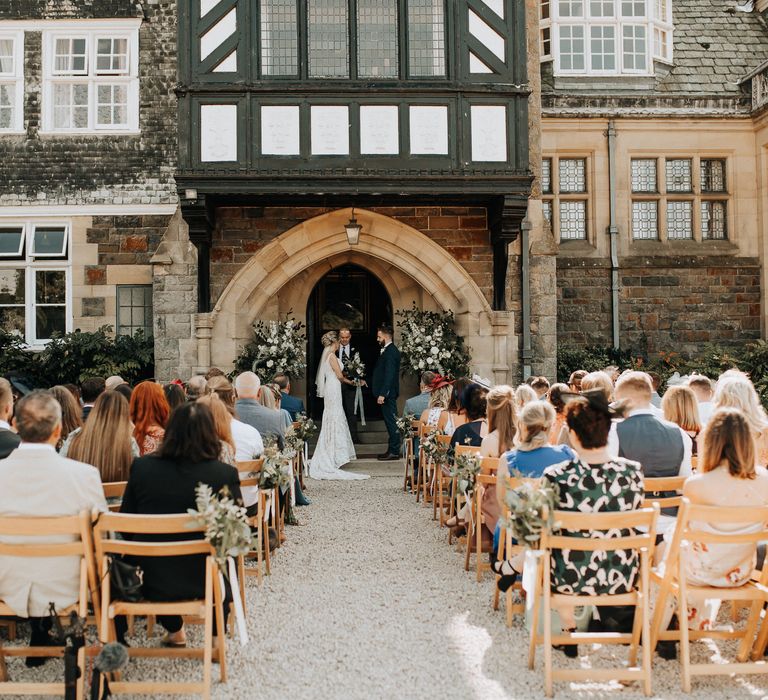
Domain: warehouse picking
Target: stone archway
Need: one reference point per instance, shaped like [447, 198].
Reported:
[411, 266]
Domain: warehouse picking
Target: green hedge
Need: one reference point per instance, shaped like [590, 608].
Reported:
[73, 357]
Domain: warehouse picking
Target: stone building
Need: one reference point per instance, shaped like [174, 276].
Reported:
[653, 142]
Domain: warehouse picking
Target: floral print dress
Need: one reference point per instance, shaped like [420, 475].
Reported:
[616, 485]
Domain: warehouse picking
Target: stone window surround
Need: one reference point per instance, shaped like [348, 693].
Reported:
[695, 196]
[32, 265]
[91, 30]
[15, 79]
[658, 35]
[554, 196]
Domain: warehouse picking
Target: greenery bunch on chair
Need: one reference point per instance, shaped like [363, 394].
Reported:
[403, 424]
[428, 341]
[531, 507]
[277, 347]
[433, 449]
[226, 524]
[306, 428]
[465, 469]
[276, 470]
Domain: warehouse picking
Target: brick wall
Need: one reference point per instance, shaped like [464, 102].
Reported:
[88, 169]
[678, 304]
[242, 231]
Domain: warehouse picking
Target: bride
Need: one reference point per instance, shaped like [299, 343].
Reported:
[334, 446]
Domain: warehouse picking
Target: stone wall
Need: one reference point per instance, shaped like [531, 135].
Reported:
[242, 231]
[666, 304]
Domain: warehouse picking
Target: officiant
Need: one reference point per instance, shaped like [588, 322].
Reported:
[348, 391]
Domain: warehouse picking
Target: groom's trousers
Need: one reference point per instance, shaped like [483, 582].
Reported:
[389, 411]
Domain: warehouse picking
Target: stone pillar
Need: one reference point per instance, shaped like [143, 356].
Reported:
[504, 347]
[203, 333]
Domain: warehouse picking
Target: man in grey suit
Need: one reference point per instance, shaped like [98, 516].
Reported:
[37, 482]
[266, 420]
[416, 405]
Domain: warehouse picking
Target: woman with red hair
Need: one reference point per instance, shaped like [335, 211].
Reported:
[149, 415]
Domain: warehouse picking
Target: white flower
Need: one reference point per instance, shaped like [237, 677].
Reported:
[435, 351]
[421, 364]
[270, 363]
[430, 361]
[273, 348]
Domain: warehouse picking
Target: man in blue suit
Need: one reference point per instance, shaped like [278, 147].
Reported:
[386, 387]
[290, 403]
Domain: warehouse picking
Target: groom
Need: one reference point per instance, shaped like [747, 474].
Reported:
[386, 387]
[348, 391]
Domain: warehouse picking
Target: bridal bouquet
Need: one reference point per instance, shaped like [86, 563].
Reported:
[465, 468]
[355, 369]
[428, 341]
[277, 347]
[527, 504]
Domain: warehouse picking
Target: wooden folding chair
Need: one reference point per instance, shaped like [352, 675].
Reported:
[441, 483]
[642, 526]
[666, 491]
[76, 531]
[425, 469]
[458, 501]
[258, 521]
[114, 490]
[410, 456]
[720, 523]
[485, 479]
[108, 545]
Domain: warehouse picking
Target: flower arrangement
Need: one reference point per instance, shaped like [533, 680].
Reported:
[465, 468]
[277, 347]
[355, 369]
[276, 471]
[428, 341]
[226, 524]
[403, 424]
[527, 504]
[434, 450]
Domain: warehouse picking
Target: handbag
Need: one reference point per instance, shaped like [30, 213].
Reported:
[126, 580]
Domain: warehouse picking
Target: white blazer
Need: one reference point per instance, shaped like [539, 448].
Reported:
[37, 482]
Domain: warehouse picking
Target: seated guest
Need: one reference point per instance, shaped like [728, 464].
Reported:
[164, 483]
[557, 396]
[472, 433]
[71, 416]
[270, 396]
[222, 422]
[174, 395]
[416, 405]
[439, 400]
[149, 413]
[214, 372]
[598, 380]
[656, 383]
[113, 382]
[197, 387]
[75, 391]
[702, 388]
[249, 410]
[735, 390]
[662, 448]
[288, 403]
[9, 440]
[681, 408]
[524, 395]
[541, 386]
[726, 476]
[612, 371]
[594, 482]
[125, 391]
[36, 482]
[90, 390]
[574, 381]
[106, 441]
[454, 414]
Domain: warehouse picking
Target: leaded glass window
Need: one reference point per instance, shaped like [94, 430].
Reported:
[645, 225]
[712, 175]
[546, 209]
[279, 37]
[546, 175]
[573, 219]
[679, 175]
[377, 39]
[134, 309]
[643, 175]
[573, 175]
[679, 219]
[328, 38]
[426, 38]
[713, 221]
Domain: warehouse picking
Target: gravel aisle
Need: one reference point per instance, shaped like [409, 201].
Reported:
[367, 600]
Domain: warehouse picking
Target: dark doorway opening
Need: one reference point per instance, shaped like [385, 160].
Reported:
[348, 296]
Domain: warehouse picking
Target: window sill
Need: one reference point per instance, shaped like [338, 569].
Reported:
[88, 132]
[577, 247]
[14, 132]
[687, 247]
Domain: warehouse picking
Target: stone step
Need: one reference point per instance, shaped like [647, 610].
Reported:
[375, 468]
[369, 438]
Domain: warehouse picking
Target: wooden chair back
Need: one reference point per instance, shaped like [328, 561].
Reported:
[641, 527]
[248, 466]
[257, 521]
[114, 490]
[665, 490]
[108, 545]
[467, 450]
[67, 536]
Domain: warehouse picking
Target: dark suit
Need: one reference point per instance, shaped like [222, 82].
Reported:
[9, 441]
[348, 393]
[386, 383]
[291, 404]
[160, 486]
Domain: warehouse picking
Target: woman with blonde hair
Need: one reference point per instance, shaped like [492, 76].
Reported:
[439, 399]
[222, 422]
[106, 441]
[598, 380]
[680, 407]
[523, 396]
[222, 387]
[735, 390]
[71, 414]
[557, 398]
[502, 421]
[455, 414]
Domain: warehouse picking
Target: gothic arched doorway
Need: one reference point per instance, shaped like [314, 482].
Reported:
[347, 296]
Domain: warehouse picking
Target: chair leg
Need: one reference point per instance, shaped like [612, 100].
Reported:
[548, 683]
[682, 616]
[208, 629]
[747, 641]
[3, 667]
[762, 641]
[647, 651]
[535, 615]
[468, 553]
[221, 637]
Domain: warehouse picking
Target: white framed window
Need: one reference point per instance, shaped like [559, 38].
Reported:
[606, 37]
[35, 279]
[565, 196]
[11, 82]
[90, 79]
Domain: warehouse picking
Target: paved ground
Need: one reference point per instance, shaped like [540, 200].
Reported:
[367, 600]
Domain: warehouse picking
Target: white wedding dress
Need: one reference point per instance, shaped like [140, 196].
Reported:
[334, 445]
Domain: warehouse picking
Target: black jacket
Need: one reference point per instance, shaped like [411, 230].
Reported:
[386, 373]
[160, 486]
[9, 441]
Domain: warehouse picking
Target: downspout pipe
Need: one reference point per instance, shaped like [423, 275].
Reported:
[613, 233]
[525, 281]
